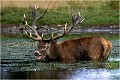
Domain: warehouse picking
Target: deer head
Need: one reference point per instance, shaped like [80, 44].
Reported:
[45, 45]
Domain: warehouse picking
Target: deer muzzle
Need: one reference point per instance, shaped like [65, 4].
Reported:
[38, 55]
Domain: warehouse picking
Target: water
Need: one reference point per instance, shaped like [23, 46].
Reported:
[18, 62]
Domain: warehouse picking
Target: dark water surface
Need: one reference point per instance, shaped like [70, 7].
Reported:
[18, 62]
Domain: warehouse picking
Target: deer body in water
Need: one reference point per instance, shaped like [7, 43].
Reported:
[85, 48]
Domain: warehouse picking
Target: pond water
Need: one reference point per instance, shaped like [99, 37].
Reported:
[18, 62]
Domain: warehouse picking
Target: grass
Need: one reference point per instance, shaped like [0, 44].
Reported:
[99, 14]
[106, 36]
[67, 37]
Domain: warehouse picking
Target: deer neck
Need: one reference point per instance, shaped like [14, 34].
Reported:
[53, 52]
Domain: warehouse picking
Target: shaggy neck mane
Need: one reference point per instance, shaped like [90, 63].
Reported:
[54, 51]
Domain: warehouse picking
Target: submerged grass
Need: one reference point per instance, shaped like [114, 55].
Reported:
[98, 14]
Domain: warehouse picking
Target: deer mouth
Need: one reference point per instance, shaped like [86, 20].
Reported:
[40, 57]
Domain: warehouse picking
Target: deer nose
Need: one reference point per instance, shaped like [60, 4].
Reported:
[37, 53]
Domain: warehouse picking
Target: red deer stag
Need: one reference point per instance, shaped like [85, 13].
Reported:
[69, 51]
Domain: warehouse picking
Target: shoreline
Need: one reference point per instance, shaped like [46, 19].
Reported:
[16, 30]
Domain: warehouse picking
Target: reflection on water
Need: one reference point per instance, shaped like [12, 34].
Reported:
[18, 62]
[76, 74]
[96, 74]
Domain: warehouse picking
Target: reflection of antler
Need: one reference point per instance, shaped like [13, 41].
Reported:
[33, 27]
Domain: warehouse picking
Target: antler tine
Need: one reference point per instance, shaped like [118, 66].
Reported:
[77, 20]
[33, 27]
[28, 33]
[56, 37]
[34, 15]
[40, 17]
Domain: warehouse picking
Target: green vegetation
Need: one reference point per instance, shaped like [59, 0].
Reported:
[106, 36]
[106, 13]
[114, 64]
[67, 37]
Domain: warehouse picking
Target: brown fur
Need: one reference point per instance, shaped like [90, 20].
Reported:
[86, 48]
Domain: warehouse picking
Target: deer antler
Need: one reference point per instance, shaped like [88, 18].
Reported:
[77, 19]
[33, 27]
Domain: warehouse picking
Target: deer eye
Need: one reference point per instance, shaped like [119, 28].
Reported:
[41, 47]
